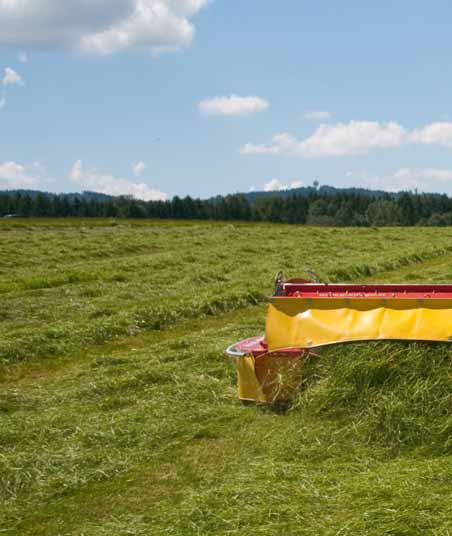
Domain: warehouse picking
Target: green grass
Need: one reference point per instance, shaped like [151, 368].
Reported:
[118, 409]
[65, 285]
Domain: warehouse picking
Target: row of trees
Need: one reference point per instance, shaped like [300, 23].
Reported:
[317, 208]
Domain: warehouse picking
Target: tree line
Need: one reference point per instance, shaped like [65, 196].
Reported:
[316, 207]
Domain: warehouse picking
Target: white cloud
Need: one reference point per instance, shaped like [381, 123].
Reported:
[98, 26]
[138, 168]
[274, 184]
[13, 175]
[283, 143]
[317, 116]
[108, 184]
[233, 105]
[434, 134]
[353, 138]
[277, 185]
[2, 103]
[12, 78]
[22, 57]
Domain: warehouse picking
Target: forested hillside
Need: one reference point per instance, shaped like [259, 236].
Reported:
[325, 206]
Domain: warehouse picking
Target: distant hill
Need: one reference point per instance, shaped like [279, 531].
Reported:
[86, 195]
[305, 191]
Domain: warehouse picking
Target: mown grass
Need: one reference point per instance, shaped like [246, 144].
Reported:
[118, 409]
[68, 284]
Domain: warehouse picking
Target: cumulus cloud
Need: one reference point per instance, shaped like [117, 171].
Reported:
[98, 26]
[317, 116]
[108, 184]
[353, 138]
[233, 105]
[283, 143]
[277, 185]
[138, 168]
[342, 139]
[11, 78]
[13, 175]
[434, 134]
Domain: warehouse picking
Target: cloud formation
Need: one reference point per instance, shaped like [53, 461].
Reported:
[233, 105]
[108, 184]
[317, 116]
[2, 103]
[11, 78]
[277, 185]
[353, 138]
[13, 176]
[434, 134]
[283, 143]
[98, 26]
[138, 168]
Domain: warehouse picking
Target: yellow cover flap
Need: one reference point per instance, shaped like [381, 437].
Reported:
[308, 322]
[249, 387]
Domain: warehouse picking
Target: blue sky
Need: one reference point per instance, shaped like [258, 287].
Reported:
[158, 98]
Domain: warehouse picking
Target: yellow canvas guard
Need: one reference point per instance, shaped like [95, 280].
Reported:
[309, 322]
[248, 385]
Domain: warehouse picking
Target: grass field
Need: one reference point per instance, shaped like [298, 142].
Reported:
[118, 408]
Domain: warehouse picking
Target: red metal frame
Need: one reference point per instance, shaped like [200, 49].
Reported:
[295, 288]
[257, 346]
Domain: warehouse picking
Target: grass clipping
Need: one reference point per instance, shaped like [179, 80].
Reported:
[395, 395]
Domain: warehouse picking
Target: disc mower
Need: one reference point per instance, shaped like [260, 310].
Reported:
[305, 315]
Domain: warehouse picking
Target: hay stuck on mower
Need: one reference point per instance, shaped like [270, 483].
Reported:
[304, 315]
